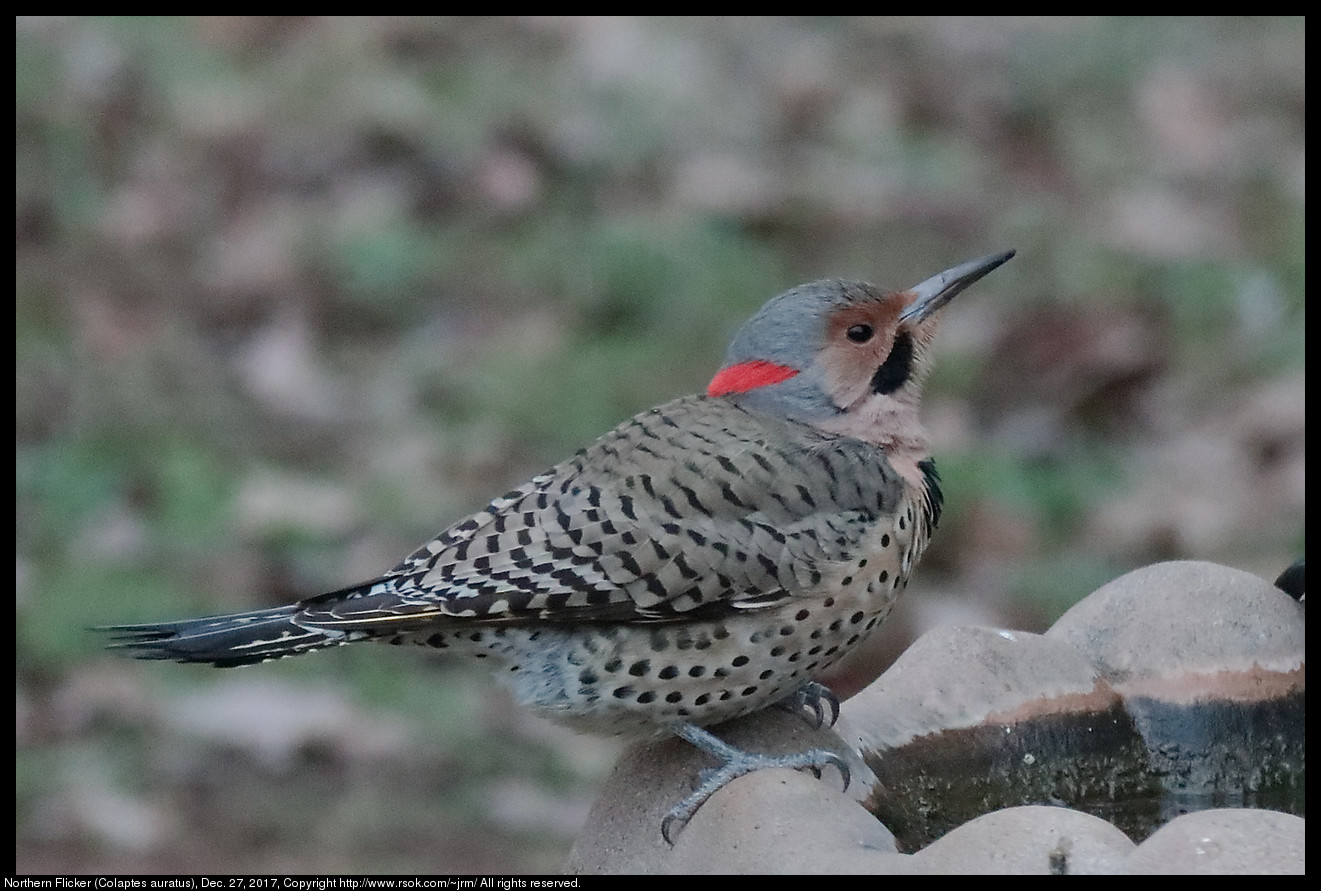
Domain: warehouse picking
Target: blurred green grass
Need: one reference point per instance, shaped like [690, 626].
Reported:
[294, 293]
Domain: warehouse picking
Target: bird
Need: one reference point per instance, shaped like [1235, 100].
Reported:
[706, 559]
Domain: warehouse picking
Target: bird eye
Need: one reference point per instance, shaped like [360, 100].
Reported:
[859, 333]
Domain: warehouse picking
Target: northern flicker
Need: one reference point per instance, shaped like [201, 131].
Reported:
[703, 560]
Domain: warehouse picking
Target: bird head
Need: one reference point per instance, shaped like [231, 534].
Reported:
[846, 357]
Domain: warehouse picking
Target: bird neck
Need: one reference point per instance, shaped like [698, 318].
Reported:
[891, 424]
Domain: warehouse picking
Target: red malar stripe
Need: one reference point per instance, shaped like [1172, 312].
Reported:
[747, 376]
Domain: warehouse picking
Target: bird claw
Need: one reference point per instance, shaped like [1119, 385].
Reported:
[817, 700]
[835, 761]
[668, 822]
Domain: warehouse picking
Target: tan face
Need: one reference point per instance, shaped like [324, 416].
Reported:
[869, 352]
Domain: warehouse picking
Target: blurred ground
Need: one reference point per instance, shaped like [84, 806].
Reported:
[292, 294]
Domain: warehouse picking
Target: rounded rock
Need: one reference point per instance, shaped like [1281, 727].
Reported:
[1029, 840]
[1228, 841]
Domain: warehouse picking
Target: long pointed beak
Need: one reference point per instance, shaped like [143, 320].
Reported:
[940, 289]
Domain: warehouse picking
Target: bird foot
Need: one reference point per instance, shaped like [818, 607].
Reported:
[817, 700]
[737, 763]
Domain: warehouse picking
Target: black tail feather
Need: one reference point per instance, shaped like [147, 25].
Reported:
[225, 641]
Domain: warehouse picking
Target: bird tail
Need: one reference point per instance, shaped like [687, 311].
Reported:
[226, 641]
